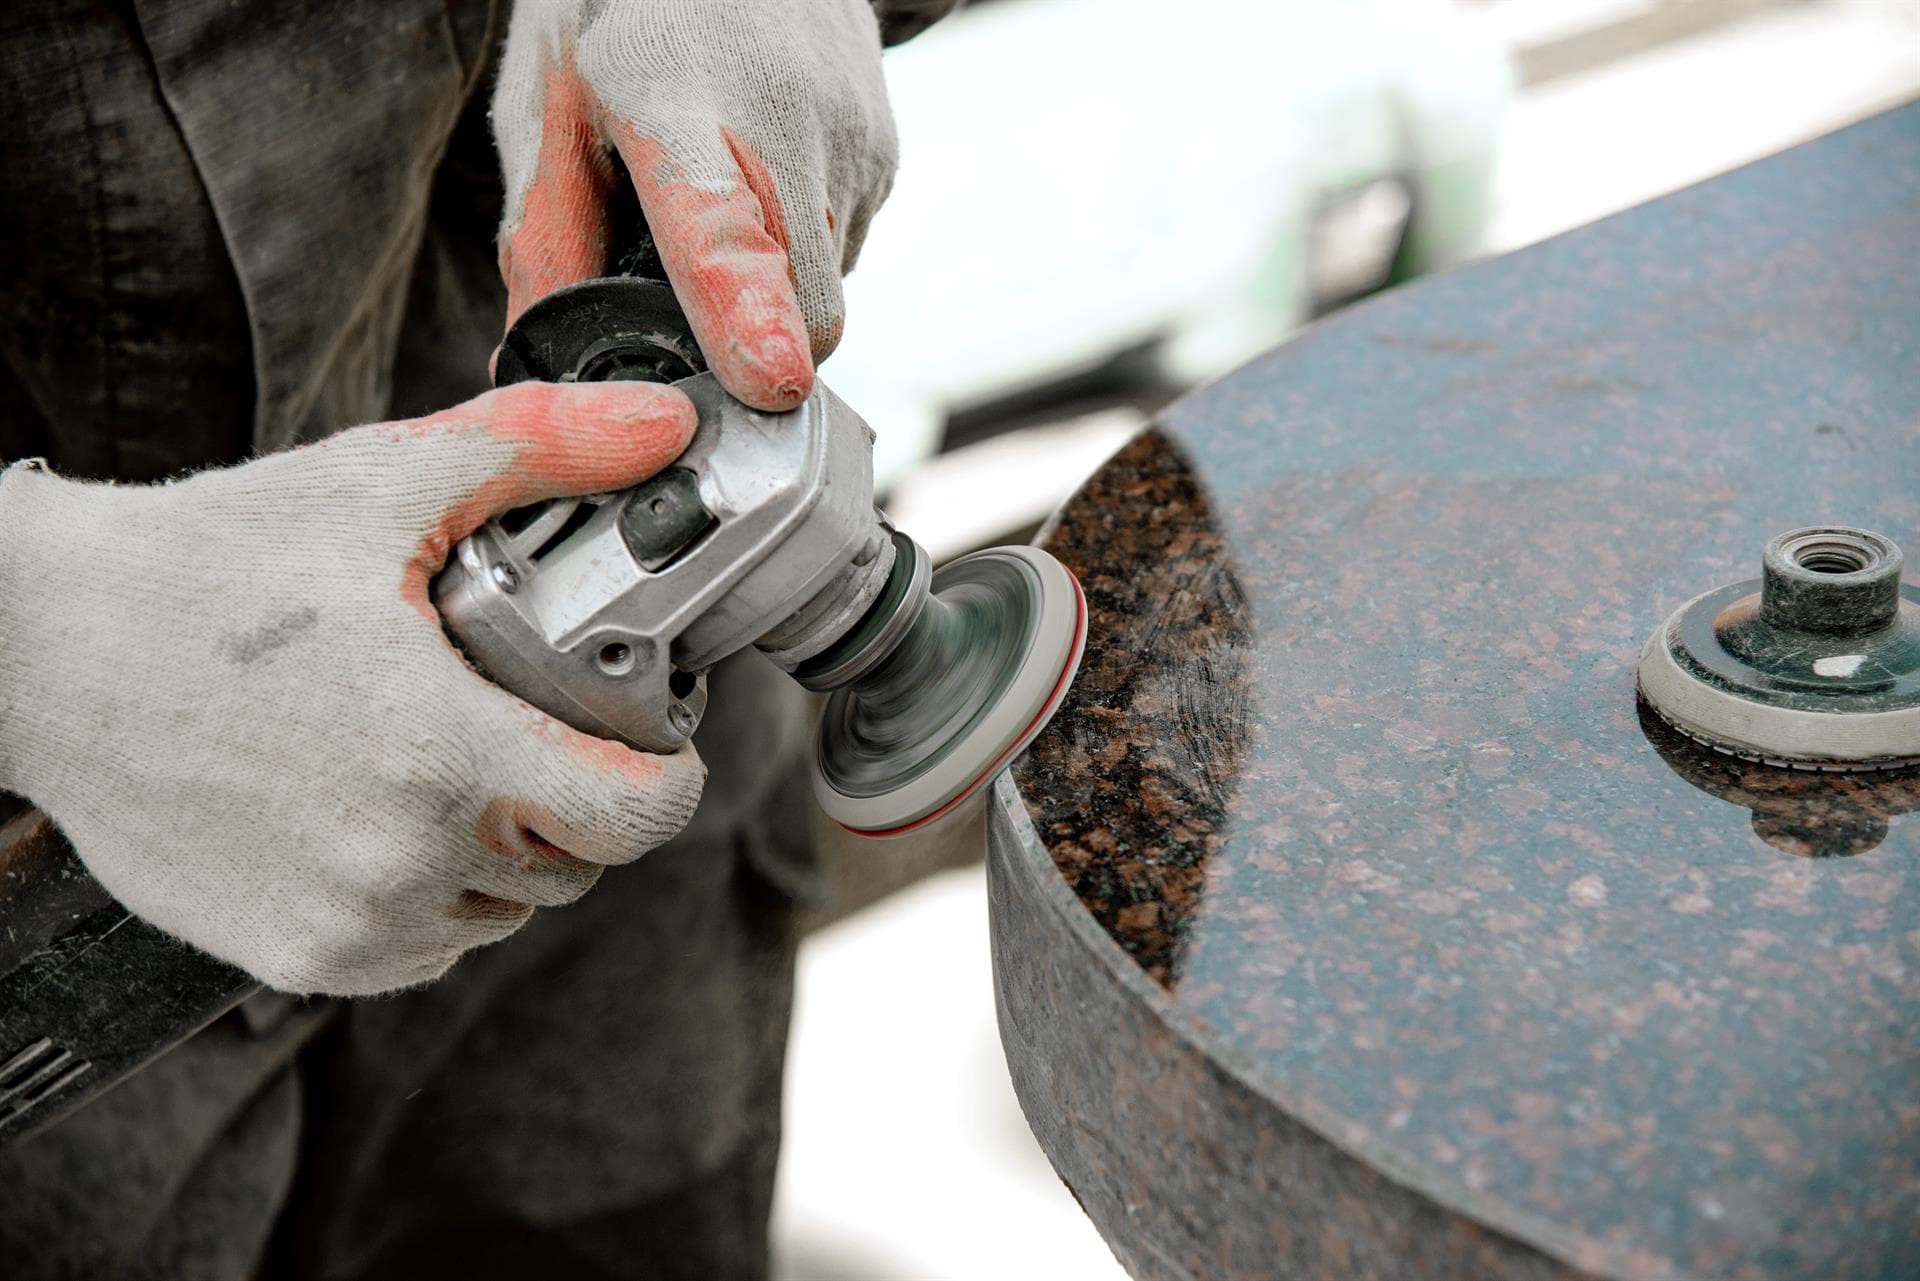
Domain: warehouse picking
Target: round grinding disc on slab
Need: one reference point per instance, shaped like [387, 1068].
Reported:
[1814, 665]
[982, 672]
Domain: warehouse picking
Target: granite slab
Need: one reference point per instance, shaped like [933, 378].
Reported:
[1353, 919]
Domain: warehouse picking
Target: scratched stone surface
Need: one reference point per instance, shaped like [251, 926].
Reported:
[1364, 925]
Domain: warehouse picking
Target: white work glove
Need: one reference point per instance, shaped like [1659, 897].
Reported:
[233, 695]
[756, 133]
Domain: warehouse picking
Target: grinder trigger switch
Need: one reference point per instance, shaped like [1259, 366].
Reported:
[663, 517]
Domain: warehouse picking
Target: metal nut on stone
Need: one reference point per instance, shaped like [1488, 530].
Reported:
[1814, 665]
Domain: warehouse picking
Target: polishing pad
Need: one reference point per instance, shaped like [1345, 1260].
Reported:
[1815, 665]
[982, 668]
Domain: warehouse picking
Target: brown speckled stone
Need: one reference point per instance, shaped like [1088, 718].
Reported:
[1364, 924]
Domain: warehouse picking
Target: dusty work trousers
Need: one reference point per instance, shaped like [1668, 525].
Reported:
[229, 225]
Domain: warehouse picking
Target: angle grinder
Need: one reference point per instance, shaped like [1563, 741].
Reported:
[606, 612]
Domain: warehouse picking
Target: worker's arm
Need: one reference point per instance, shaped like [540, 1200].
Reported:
[233, 695]
[757, 136]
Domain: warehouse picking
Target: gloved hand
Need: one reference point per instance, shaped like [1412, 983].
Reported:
[756, 133]
[233, 694]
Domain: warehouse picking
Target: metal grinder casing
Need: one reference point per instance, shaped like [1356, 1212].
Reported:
[606, 612]
[601, 611]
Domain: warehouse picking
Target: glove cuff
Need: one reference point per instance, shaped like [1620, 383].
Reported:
[37, 511]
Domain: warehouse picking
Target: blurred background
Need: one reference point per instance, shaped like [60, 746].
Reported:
[1100, 204]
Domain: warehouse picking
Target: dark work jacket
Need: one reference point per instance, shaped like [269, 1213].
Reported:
[227, 226]
[215, 214]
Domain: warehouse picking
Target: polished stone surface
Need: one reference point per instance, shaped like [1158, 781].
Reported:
[1355, 824]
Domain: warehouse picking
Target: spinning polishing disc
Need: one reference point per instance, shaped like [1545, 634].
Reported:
[978, 674]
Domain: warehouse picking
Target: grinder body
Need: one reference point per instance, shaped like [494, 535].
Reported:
[606, 612]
